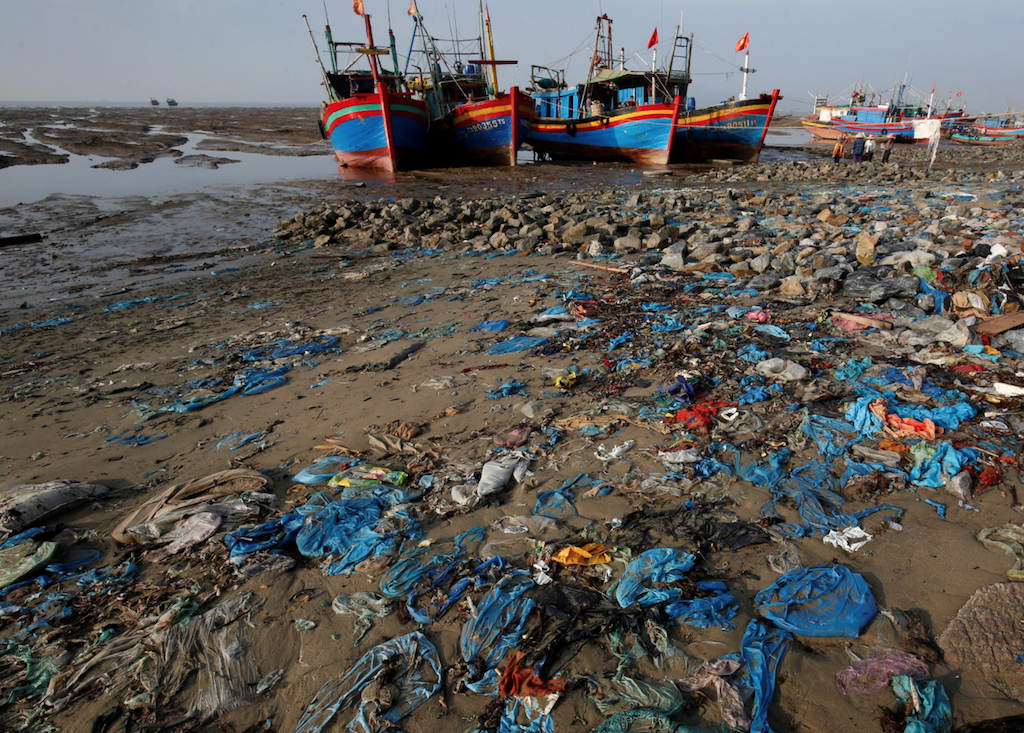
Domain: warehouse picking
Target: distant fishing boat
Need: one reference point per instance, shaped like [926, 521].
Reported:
[154, 102]
[472, 123]
[171, 102]
[615, 116]
[862, 117]
[368, 118]
[962, 139]
[985, 129]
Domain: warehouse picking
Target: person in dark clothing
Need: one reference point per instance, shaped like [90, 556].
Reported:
[858, 148]
[887, 148]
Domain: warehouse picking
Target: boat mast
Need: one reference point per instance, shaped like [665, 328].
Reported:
[319, 62]
[490, 49]
[370, 51]
[330, 40]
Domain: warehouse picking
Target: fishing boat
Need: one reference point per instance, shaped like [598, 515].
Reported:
[471, 121]
[962, 139]
[615, 116]
[731, 130]
[989, 129]
[862, 116]
[154, 102]
[171, 102]
[370, 120]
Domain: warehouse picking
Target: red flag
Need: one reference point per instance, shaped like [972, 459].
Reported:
[959, 94]
[933, 89]
[357, 7]
[654, 39]
[743, 42]
[413, 10]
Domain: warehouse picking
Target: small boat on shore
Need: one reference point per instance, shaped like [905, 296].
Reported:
[472, 122]
[368, 118]
[962, 139]
[999, 131]
[615, 116]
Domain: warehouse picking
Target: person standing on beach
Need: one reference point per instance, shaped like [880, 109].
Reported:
[887, 148]
[839, 149]
[869, 149]
[858, 148]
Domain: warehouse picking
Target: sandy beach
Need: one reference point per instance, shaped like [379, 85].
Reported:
[364, 304]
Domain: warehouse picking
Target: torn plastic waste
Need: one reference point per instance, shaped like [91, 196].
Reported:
[648, 580]
[874, 673]
[850, 539]
[822, 600]
[408, 663]
[365, 607]
[714, 674]
[497, 626]
[928, 707]
[762, 650]
[23, 505]
[1010, 539]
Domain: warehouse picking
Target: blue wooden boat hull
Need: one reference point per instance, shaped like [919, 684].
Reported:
[641, 135]
[733, 131]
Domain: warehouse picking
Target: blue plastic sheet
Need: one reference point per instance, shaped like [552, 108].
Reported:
[936, 714]
[949, 417]
[507, 389]
[347, 530]
[453, 586]
[415, 562]
[557, 503]
[760, 393]
[762, 650]
[323, 470]
[518, 719]
[518, 343]
[774, 331]
[813, 490]
[284, 348]
[415, 670]
[499, 622]
[274, 535]
[945, 462]
[822, 600]
[832, 436]
[658, 566]
[663, 566]
[492, 326]
[752, 354]
[852, 369]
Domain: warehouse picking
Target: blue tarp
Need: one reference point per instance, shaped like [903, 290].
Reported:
[415, 669]
[762, 650]
[822, 600]
[936, 714]
[518, 343]
[499, 622]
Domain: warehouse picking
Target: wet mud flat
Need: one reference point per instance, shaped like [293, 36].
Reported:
[133, 136]
[624, 324]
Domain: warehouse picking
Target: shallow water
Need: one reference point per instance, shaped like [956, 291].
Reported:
[30, 183]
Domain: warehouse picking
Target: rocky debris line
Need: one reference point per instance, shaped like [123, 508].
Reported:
[801, 245]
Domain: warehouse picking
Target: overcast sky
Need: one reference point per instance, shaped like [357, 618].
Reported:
[233, 51]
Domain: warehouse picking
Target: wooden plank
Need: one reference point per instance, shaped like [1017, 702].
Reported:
[999, 324]
[619, 270]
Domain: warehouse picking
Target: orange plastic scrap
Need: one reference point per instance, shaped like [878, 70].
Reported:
[894, 446]
[903, 427]
[519, 681]
[590, 554]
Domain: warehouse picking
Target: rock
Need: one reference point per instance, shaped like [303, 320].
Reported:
[703, 251]
[760, 263]
[581, 229]
[204, 161]
[628, 244]
[765, 282]
[866, 248]
[792, 286]
[322, 241]
[960, 486]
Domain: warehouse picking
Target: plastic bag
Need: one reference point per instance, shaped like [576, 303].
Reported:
[365, 607]
[821, 600]
[499, 622]
[762, 650]
[874, 673]
[414, 668]
[929, 710]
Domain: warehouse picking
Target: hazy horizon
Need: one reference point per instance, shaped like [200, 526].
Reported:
[233, 52]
